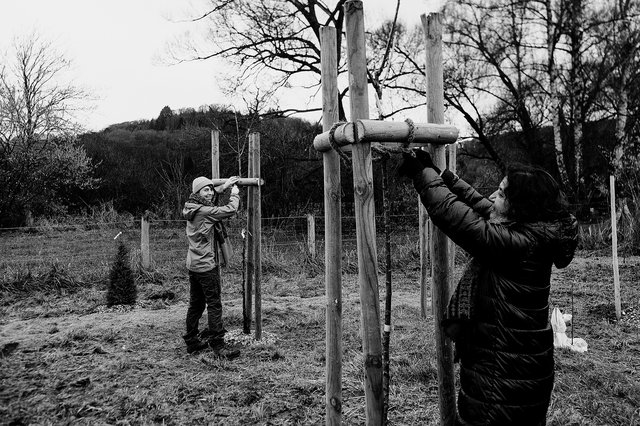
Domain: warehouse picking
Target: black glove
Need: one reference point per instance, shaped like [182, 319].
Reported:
[410, 166]
[414, 162]
[424, 157]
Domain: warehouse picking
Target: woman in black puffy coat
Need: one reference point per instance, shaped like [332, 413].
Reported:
[498, 315]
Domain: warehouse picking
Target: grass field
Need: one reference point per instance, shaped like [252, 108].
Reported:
[67, 359]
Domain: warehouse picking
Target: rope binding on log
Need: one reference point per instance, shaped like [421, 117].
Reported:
[334, 145]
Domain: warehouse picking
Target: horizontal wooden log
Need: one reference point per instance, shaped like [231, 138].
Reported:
[390, 134]
[241, 182]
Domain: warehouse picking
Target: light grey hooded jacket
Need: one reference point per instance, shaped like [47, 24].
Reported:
[200, 224]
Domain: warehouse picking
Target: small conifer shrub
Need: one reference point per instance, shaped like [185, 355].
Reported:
[122, 287]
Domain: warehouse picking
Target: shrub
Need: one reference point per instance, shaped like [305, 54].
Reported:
[122, 287]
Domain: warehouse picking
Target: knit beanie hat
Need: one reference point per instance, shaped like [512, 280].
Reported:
[199, 183]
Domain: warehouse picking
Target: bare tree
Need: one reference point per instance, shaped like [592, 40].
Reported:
[38, 161]
[281, 37]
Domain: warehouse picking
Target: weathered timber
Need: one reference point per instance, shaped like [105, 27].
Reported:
[390, 134]
[365, 216]
[250, 181]
[440, 292]
[332, 233]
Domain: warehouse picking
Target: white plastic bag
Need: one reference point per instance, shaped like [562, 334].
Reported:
[560, 339]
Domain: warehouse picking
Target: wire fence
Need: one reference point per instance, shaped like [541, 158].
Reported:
[87, 246]
[93, 245]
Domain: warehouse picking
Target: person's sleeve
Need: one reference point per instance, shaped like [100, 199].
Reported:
[464, 225]
[467, 193]
[213, 214]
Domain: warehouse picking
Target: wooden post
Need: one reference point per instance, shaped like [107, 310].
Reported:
[215, 154]
[365, 215]
[441, 292]
[215, 174]
[144, 241]
[254, 155]
[248, 249]
[332, 233]
[614, 247]
[311, 235]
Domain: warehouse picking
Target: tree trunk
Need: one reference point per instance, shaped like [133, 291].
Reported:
[576, 117]
[556, 103]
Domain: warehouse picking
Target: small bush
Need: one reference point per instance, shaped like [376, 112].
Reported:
[122, 287]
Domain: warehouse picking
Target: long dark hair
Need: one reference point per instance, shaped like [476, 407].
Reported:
[533, 195]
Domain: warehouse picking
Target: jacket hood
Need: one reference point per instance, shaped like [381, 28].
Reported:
[567, 241]
[190, 209]
[562, 237]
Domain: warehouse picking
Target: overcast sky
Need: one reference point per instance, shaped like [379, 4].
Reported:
[114, 47]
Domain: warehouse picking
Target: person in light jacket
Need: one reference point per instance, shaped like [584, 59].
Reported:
[203, 222]
[498, 316]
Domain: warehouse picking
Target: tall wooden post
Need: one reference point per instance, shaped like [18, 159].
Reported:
[215, 174]
[365, 215]
[332, 232]
[249, 243]
[441, 292]
[254, 157]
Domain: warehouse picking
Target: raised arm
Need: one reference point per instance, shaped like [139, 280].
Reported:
[467, 193]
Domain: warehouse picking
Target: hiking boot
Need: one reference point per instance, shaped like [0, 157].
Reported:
[223, 351]
[205, 334]
[195, 345]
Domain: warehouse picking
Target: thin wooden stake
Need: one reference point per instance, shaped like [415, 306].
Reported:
[453, 151]
[614, 248]
[386, 335]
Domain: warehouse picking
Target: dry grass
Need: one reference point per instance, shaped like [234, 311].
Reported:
[68, 360]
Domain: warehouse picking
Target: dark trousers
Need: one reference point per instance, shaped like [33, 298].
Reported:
[204, 290]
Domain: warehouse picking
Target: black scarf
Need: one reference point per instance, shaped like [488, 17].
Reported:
[460, 311]
[461, 308]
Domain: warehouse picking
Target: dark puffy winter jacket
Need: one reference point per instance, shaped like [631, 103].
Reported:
[506, 350]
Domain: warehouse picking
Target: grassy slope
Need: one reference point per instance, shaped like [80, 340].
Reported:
[81, 365]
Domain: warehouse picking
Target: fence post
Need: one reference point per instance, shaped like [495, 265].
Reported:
[144, 241]
[311, 235]
[614, 248]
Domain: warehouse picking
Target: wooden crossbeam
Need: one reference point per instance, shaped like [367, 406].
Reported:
[389, 133]
[241, 181]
